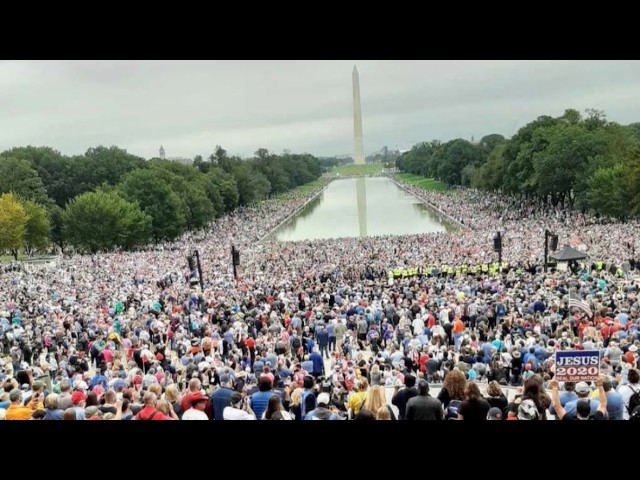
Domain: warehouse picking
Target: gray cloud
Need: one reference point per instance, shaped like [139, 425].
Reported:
[304, 106]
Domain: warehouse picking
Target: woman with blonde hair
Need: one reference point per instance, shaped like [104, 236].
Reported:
[295, 405]
[452, 393]
[165, 407]
[156, 388]
[375, 399]
[375, 374]
[383, 414]
[172, 396]
[51, 408]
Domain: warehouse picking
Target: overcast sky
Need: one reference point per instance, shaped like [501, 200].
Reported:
[305, 106]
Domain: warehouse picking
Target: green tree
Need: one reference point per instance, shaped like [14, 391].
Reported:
[110, 164]
[262, 154]
[568, 151]
[607, 194]
[489, 176]
[634, 129]
[184, 181]
[253, 186]
[572, 116]
[227, 186]
[19, 177]
[489, 142]
[58, 233]
[101, 220]
[518, 157]
[420, 160]
[210, 189]
[13, 223]
[37, 232]
[595, 119]
[52, 168]
[156, 198]
[453, 157]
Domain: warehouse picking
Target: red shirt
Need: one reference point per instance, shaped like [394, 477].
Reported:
[150, 413]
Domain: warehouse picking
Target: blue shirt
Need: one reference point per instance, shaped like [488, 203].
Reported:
[565, 397]
[318, 363]
[615, 405]
[54, 415]
[331, 330]
[220, 399]
[570, 407]
[323, 338]
[259, 402]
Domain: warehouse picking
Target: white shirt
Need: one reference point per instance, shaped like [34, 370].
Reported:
[626, 391]
[231, 413]
[194, 414]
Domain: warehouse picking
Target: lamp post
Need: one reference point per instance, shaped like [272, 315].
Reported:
[235, 260]
[497, 246]
[554, 245]
[197, 255]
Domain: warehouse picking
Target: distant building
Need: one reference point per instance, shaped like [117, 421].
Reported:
[162, 154]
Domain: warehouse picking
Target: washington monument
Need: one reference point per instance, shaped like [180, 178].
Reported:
[358, 146]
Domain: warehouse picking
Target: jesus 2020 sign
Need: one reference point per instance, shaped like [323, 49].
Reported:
[577, 366]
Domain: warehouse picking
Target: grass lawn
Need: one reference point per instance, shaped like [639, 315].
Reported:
[21, 257]
[367, 169]
[302, 190]
[426, 183]
[9, 258]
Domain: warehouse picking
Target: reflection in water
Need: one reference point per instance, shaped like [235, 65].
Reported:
[380, 206]
[361, 192]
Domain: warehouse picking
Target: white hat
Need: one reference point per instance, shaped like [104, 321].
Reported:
[324, 398]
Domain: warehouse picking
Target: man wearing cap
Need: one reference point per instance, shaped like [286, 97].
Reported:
[583, 406]
[322, 411]
[494, 414]
[198, 404]
[221, 397]
[583, 391]
[78, 399]
[16, 411]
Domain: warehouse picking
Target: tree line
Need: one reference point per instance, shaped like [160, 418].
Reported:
[584, 162]
[108, 198]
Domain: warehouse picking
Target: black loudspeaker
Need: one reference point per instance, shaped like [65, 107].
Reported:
[192, 264]
[497, 243]
[553, 243]
[236, 257]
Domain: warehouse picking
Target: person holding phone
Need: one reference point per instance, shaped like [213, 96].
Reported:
[239, 409]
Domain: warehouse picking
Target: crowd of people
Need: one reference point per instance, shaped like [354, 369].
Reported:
[317, 329]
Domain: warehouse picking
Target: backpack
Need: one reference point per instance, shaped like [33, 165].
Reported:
[634, 400]
[452, 409]
[150, 417]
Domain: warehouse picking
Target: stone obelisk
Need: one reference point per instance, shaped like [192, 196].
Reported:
[358, 146]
